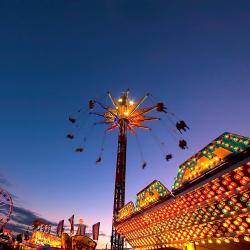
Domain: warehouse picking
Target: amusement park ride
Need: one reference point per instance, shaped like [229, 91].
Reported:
[125, 115]
[6, 207]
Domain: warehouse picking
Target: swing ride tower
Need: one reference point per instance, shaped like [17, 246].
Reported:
[125, 115]
[119, 193]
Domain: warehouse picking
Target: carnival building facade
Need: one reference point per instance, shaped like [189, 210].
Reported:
[207, 208]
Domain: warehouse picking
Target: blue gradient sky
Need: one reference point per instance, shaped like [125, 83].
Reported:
[55, 55]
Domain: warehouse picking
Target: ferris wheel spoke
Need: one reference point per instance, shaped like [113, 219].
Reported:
[3, 204]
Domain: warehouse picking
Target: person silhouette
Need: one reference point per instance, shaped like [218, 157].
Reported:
[79, 150]
[72, 119]
[98, 160]
[144, 165]
[160, 107]
[168, 157]
[183, 144]
[181, 125]
[70, 136]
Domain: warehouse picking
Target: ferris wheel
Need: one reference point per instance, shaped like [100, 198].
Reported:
[6, 207]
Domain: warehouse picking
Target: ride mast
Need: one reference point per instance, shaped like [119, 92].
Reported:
[125, 115]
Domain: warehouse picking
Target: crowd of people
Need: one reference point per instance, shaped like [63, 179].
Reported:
[11, 242]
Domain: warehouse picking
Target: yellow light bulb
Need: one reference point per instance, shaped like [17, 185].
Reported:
[218, 241]
[247, 238]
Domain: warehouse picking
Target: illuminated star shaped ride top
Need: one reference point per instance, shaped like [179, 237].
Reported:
[124, 115]
[128, 112]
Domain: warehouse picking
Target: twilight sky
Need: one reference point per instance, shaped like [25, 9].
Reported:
[56, 55]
